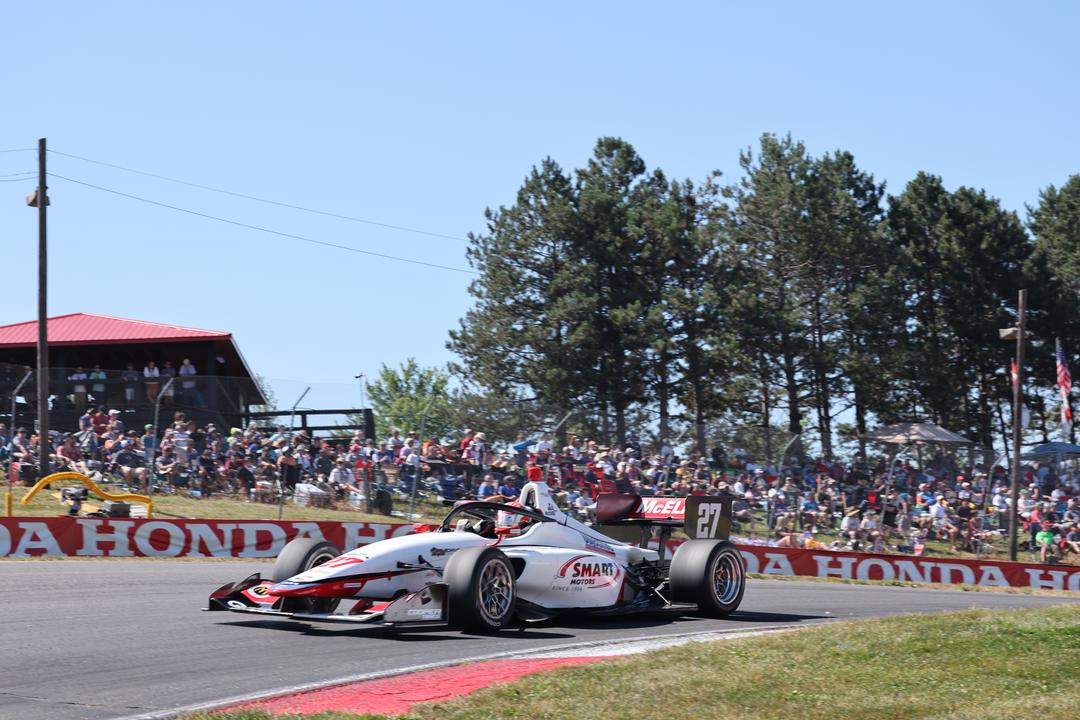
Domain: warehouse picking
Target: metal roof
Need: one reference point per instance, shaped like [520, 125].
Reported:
[90, 329]
[916, 434]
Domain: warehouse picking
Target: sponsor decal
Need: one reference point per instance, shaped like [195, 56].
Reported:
[260, 594]
[141, 537]
[586, 571]
[656, 508]
[433, 613]
[598, 546]
[440, 552]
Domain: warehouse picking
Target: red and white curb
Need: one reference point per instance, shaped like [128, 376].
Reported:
[380, 692]
[396, 695]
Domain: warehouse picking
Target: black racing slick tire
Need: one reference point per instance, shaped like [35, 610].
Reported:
[480, 590]
[300, 555]
[710, 574]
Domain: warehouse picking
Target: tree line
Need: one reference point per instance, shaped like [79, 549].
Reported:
[799, 300]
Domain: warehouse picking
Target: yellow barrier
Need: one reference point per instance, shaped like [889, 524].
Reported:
[79, 477]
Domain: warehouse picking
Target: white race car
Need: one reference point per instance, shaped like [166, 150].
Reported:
[489, 566]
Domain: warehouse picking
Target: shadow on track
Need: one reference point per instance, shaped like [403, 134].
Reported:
[679, 620]
[301, 627]
[544, 630]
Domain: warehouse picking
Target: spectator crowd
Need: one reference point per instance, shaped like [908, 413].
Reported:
[815, 504]
[77, 388]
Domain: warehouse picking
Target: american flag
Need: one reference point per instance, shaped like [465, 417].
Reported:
[1064, 380]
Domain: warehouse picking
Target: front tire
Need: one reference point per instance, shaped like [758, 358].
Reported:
[481, 592]
[710, 574]
[300, 555]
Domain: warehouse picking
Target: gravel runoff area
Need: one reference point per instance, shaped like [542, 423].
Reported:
[125, 638]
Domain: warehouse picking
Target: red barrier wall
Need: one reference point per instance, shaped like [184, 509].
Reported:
[864, 566]
[99, 537]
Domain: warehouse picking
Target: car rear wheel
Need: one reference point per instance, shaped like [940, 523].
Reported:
[300, 555]
[710, 574]
[481, 592]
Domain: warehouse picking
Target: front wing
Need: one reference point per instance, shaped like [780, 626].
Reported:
[250, 596]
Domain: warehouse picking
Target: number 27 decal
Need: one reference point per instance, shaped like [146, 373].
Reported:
[708, 521]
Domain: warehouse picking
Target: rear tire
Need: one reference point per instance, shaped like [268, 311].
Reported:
[300, 555]
[710, 574]
[481, 592]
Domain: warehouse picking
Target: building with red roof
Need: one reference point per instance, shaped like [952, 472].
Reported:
[224, 388]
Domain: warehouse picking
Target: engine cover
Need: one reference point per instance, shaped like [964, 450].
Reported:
[559, 578]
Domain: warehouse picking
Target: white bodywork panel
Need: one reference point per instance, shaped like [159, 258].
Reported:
[567, 563]
[559, 578]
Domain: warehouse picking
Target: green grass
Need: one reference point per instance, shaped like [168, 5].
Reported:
[970, 665]
[224, 508]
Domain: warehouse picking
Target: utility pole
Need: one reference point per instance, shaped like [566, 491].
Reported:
[41, 201]
[1018, 405]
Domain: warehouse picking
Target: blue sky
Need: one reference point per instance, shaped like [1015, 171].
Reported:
[423, 114]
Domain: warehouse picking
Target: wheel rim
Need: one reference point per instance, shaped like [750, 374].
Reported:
[727, 577]
[496, 591]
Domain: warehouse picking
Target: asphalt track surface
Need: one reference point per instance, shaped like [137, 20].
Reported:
[124, 638]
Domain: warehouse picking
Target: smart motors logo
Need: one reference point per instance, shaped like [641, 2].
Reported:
[585, 571]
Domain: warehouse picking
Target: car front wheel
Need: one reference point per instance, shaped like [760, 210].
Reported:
[481, 591]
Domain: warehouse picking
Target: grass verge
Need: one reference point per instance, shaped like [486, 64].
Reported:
[1017, 664]
[44, 504]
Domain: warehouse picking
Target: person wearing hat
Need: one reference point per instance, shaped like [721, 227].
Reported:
[941, 520]
[115, 423]
[20, 451]
[149, 439]
[849, 527]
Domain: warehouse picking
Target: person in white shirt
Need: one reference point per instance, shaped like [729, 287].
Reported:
[868, 528]
[941, 522]
[78, 379]
[342, 474]
[1000, 500]
[151, 373]
[544, 444]
[849, 526]
[182, 445]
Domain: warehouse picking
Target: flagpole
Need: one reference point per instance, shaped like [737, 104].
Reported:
[1018, 401]
[1064, 382]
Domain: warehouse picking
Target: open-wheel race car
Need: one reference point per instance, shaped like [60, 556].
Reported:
[489, 566]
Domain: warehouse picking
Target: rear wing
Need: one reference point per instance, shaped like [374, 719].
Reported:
[699, 516]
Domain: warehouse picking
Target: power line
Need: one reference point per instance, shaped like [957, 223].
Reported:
[263, 229]
[351, 218]
[18, 150]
